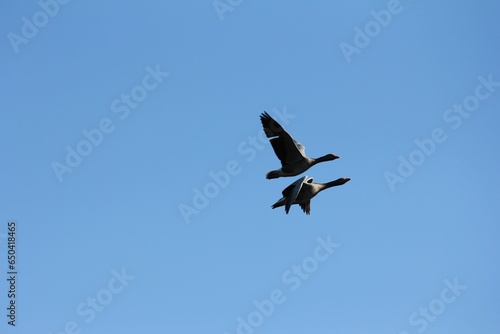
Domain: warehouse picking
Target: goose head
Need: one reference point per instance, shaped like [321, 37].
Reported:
[328, 157]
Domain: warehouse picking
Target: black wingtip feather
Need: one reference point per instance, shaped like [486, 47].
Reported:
[271, 127]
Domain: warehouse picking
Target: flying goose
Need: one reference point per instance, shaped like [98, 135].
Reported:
[301, 191]
[290, 152]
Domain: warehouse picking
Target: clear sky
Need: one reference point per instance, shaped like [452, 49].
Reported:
[133, 166]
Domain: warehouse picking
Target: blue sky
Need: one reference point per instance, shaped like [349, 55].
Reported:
[116, 115]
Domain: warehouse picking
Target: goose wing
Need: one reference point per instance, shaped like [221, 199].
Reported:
[288, 190]
[306, 207]
[293, 191]
[286, 148]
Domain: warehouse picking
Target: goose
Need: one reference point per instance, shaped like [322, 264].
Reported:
[290, 152]
[301, 191]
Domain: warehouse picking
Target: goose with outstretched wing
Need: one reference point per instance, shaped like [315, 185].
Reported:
[290, 152]
[302, 191]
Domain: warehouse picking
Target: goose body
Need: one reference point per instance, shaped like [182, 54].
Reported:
[290, 152]
[302, 191]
